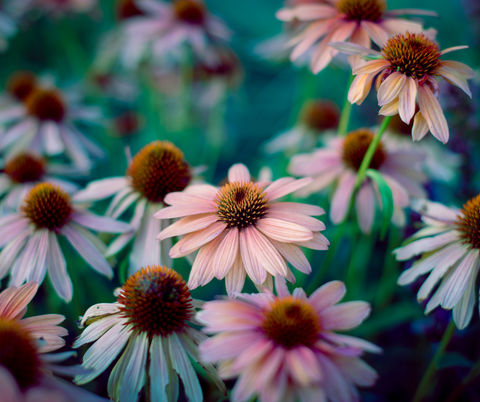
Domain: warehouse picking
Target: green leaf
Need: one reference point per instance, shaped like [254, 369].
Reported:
[386, 196]
[452, 359]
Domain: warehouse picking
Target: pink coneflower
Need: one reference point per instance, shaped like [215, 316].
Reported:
[339, 163]
[26, 365]
[407, 67]
[22, 172]
[19, 86]
[283, 347]
[316, 118]
[29, 239]
[356, 21]
[44, 123]
[166, 27]
[241, 229]
[449, 245]
[157, 169]
[149, 318]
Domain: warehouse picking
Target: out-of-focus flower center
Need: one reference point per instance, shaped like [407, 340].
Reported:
[25, 168]
[127, 124]
[21, 84]
[156, 300]
[469, 223]
[127, 9]
[320, 115]
[158, 169]
[241, 204]
[291, 322]
[355, 147]
[413, 55]
[226, 67]
[47, 206]
[190, 11]
[46, 104]
[18, 353]
[397, 126]
[371, 10]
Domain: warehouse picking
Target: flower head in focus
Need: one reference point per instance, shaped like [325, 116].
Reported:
[29, 238]
[449, 246]
[158, 169]
[149, 318]
[284, 348]
[242, 229]
[44, 122]
[406, 69]
[339, 163]
[316, 117]
[356, 21]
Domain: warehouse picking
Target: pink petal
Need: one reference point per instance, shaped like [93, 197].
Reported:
[341, 198]
[327, 295]
[420, 127]
[461, 68]
[235, 278]
[390, 88]
[376, 32]
[193, 241]
[185, 198]
[452, 49]
[202, 269]
[250, 261]
[281, 287]
[433, 114]
[319, 242]
[345, 316]
[275, 191]
[353, 48]
[188, 224]
[238, 172]
[226, 253]
[184, 210]
[283, 231]
[364, 204]
[425, 245]
[305, 209]
[18, 300]
[267, 255]
[454, 77]
[306, 221]
[294, 255]
[407, 100]
[371, 67]
[360, 88]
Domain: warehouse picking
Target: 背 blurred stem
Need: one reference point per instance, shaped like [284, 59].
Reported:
[425, 383]
[346, 111]
[459, 390]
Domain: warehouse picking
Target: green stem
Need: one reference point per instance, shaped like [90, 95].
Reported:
[430, 373]
[346, 111]
[367, 159]
[458, 391]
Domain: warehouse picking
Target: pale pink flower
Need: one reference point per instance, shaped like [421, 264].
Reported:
[450, 248]
[284, 348]
[156, 170]
[356, 21]
[148, 328]
[406, 69]
[44, 122]
[165, 28]
[29, 239]
[339, 162]
[242, 229]
[26, 366]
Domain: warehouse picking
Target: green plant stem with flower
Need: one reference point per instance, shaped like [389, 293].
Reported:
[346, 111]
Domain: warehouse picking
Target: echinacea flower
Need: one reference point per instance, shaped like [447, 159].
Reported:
[283, 348]
[45, 123]
[21, 172]
[148, 320]
[355, 21]
[19, 86]
[158, 169]
[29, 238]
[449, 246]
[165, 28]
[27, 367]
[316, 117]
[339, 163]
[242, 229]
[406, 69]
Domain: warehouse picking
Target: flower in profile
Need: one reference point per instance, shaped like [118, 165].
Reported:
[45, 123]
[284, 348]
[316, 118]
[29, 238]
[356, 21]
[23, 171]
[26, 365]
[441, 164]
[158, 169]
[339, 163]
[166, 27]
[242, 229]
[406, 69]
[148, 320]
[449, 246]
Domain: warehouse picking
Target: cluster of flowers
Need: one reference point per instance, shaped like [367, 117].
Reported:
[280, 346]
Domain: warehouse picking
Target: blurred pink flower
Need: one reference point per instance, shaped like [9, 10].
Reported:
[284, 348]
[29, 239]
[356, 21]
[450, 248]
[339, 162]
[240, 229]
[148, 328]
[407, 67]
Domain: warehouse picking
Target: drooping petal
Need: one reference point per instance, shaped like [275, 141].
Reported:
[407, 100]
[433, 114]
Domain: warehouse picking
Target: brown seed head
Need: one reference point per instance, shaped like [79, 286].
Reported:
[320, 115]
[156, 300]
[46, 104]
[25, 167]
[190, 11]
[355, 147]
[370, 10]
[21, 83]
[469, 222]
[127, 9]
